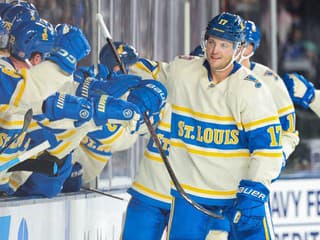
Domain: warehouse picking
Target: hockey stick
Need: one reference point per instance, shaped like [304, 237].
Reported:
[156, 139]
[17, 164]
[108, 37]
[26, 122]
[103, 193]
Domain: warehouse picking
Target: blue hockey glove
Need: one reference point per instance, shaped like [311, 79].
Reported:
[115, 87]
[102, 72]
[249, 210]
[69, 47]
[39, 184]
[74, 181]
[300, 89]
[150, 96]
[115, 110]
[59, 106]
[83, 72]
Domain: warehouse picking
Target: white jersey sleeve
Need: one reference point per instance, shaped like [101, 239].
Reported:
[284, 105]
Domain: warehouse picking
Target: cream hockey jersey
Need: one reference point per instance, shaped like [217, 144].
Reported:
[152, 182]
[284, 105]
[95, 149]
[21, 91]
[220, 133]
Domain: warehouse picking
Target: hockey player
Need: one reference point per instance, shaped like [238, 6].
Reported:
[28, 88]
[127, 53]
[96, 148]
[67, 138]
[221, 143]
[273, 81]
[4, 37]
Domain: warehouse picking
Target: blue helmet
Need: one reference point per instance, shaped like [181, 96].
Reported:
[4, 7]
[19, 12]
[30, 37]
[4, 34]
[198, 51]
[226, 26]
[127, 53]
[252, 34]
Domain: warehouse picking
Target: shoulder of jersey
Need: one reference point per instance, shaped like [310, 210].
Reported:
[247, 78]
[265, 71]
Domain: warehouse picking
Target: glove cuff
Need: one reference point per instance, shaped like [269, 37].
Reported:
[65, 61]
[253, 190]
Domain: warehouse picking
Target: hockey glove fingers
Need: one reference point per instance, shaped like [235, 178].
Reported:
[59, 106]
[74, 182]
[249, 209]
[100, 72]
[115, 87]
[118, 85]
[82, 73]
[300, 89]
[69, 47]
[150, 96]
[113, 110]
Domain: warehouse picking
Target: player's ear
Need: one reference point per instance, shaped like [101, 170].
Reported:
[36, 59]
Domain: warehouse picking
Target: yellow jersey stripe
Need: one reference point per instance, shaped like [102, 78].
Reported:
[209, 192]
[112, 138]
[96, 157]
[285, 109]
[203, 115]
[148, 155]
[263, 121]
[147, 190]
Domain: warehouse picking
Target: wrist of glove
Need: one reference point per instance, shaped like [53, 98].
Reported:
[249, 210]
[113, 110]
[70, 46]
[300, 89]
[115, 87]
[150, 96]
[59, 106]
[74, 182]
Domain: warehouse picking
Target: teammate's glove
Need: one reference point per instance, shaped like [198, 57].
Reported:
[83, 72]
[74, 181]
[300, 89]
[115, 110]
[69, 47]
[150, 96]
[249, 210]
[59, 106]
[115, 87]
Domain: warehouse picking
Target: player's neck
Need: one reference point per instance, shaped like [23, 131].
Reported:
[18, 64]
[219, 76]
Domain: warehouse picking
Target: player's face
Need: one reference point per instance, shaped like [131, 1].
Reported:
[219, 52]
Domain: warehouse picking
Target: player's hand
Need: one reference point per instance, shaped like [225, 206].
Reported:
[114, 110]
[59, 106]
[248, 211]
[70, 46]
[150, 96]
[300, 89]
[116, 86]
